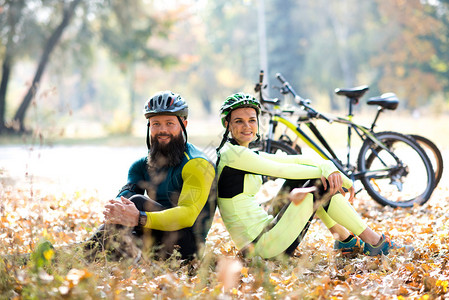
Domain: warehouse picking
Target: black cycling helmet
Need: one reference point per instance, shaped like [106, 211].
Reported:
[166, 103]
[235, 101]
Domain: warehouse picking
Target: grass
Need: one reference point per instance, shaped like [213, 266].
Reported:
[32, 217]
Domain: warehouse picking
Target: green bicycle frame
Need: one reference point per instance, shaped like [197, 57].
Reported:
[363, 132]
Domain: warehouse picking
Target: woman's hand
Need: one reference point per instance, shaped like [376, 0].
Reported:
[122, 212]
[297, 195]
[336, 185]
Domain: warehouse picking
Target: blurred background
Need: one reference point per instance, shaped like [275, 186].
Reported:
[79, 71]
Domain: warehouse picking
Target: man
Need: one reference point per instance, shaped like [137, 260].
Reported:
[177, 178]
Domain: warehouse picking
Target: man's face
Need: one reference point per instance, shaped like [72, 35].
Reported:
[164, 128]
[167, 141]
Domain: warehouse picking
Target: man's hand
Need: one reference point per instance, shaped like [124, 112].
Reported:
[297, 195]
[122, 212]
[336, 185]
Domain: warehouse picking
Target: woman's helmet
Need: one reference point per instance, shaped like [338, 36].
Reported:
[235, 101]
[166, 103]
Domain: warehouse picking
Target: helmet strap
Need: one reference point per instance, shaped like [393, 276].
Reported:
[223, 141]
[148, 135]
[257, 134]
[183, 128]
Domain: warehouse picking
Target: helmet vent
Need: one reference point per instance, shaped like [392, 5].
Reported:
[169, 102]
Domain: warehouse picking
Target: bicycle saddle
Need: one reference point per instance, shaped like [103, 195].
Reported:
[387, 100]
[353, 93]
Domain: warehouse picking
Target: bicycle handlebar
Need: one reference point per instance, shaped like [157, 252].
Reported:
[301, 101]
[259, 87]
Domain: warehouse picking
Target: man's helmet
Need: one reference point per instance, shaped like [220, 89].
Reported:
[235, 101]
[166, 103]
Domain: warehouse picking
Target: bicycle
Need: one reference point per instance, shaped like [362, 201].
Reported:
[433, 153]
[431, 149]
[386, 162]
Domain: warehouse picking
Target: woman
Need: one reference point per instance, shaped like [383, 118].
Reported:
[240, 171]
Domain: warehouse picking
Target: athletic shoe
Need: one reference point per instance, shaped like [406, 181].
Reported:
[353, 246]
[384, 247]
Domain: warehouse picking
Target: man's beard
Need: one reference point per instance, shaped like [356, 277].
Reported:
[166, 155]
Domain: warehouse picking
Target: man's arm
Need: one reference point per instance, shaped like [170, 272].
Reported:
[120, 210]
[198, 175]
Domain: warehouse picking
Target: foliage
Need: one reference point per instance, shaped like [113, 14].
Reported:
[406, 53]
[319, 46]
[116, 53]
[121, 27]
[30, 217]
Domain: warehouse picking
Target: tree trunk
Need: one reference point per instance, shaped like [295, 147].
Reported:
[263, 51]
[132, 96]
[51, 43]
[6, 70]
[14, 14]
[341, 32]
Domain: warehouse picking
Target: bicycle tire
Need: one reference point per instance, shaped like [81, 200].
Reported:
[285, 139]
[275, 146]
[386, 177]
[435, 155]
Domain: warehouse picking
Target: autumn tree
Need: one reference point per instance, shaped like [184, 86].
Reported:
[124, 28]
[440, 62]
[126, 33]
[68, 11]
[11, 22]
[405, 52]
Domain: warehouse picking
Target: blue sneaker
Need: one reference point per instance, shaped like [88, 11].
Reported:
[384, 247]
[354, 246]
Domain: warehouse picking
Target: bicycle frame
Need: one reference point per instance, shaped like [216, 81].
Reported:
[362, 131]
[376, 147]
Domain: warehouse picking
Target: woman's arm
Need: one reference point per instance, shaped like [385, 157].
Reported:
[283, 166]
[244, 159]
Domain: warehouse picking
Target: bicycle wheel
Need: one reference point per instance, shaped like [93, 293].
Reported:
[275, 147]
[433, 153]
[281, 146]
[287, 140]
[398, 174]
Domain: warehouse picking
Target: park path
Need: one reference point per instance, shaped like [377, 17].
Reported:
[96, 169]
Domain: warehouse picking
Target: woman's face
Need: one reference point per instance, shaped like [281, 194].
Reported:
[243, 125]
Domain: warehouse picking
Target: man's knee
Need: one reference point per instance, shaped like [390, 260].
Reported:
[140, 201]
